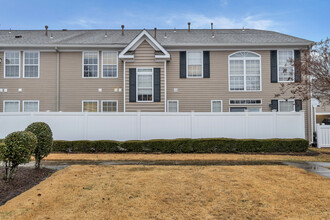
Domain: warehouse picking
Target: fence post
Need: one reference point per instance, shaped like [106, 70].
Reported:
[246, 127]
[192, 124]
[85, 125]
[274, 117]
[302, 125]
[138, 124]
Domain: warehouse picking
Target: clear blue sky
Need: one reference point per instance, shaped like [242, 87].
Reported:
[309, 19]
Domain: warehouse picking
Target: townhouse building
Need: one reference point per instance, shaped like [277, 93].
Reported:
[165, 70]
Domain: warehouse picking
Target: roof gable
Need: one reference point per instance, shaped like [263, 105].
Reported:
[144, 36]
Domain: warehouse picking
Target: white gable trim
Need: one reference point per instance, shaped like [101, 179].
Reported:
[138, 40]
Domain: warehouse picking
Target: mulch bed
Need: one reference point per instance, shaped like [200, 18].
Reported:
[24, 179]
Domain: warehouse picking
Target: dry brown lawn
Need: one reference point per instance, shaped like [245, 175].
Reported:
[175, 192]
[185, 157]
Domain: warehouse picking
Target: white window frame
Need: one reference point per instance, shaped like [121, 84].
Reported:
[82, 104]
[278, 67]
[19, 65]
[31, 64]
[83, 64]
[116, 101]
[247, 107]
[216, 101]
[4, 103]
[109, 64]
[245, 103]
[284, 100]
[177, 105]
[152, 82]
[187, 64]
[24, 101]
[244, 68]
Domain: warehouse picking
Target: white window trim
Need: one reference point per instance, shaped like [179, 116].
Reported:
[245, 103]
[177, 105]
[247, 107]
[31, 101]
[4, 103]
[244, 59]
[278, 67]
[82, 104]
[152, 81]
[108, 64]
[19, 65]
[284, 100]
[116, 101]
[187, 64]
[216, 101]
[31, 64]
[98, 63]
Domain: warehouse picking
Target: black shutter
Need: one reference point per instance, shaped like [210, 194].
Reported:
[297, 74]
[273, 66]
[274, 104]
[206, 64]
[183, 64]
[156, 84]
[298, 104]
[132, 84]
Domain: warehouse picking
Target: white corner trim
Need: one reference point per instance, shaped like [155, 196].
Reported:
[136, 40]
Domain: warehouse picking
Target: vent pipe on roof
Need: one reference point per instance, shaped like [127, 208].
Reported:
[46, 32]
[212, 30]
[122, 30]
[155, 33]
[9, 30]
[189, 26]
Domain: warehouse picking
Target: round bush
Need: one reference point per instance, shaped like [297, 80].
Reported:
[17, 149]
[45, 140]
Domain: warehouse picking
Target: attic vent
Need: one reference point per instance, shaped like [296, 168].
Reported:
[64, 29]
[18, 36]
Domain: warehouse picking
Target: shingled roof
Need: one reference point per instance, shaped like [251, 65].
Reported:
[166, 37]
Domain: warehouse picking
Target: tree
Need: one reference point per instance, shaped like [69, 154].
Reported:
[314, 67]
[45, 140]
[16, 150]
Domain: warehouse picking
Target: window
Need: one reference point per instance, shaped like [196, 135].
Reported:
[12, 64]
[285, 69]
[245, 101]
[109, 64]
[243, 109]
[195, 64]
[31, 106]
[90, 106]
[11, 106]
[286, 106]
[173, 106]
[216, 106]
[244, 72]
[144, 84]
[31, 64]
[90, 64]
[109, 106]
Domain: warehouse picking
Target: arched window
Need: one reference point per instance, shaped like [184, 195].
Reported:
[244, 71]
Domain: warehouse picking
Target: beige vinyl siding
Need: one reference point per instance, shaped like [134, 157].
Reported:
[144, 57]
[42, 89]
[195, 94]
[74, 88]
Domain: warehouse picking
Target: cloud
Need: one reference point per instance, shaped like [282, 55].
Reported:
[202, 21]
[85, 23]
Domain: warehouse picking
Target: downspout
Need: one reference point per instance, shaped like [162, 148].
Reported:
[124, 89]
[57, 79]
[165, 85]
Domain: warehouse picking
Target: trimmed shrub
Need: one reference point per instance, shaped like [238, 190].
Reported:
[45, 140]
[212, 145]
[16, 150]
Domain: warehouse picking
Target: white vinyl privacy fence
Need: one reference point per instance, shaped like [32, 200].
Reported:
[323, 135]
[148, 125]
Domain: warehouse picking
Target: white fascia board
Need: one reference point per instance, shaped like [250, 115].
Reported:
[154, 44]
